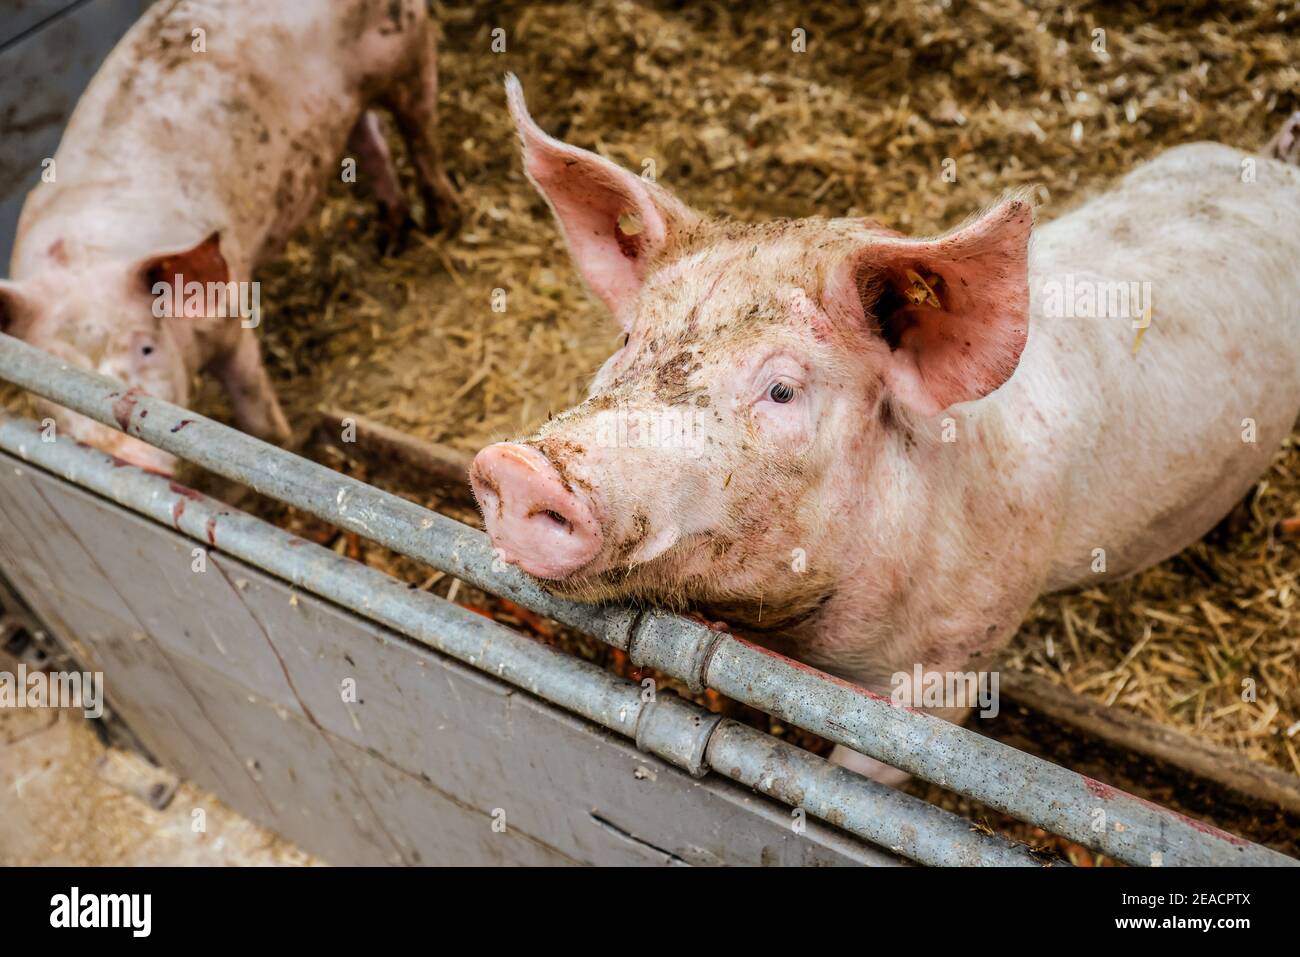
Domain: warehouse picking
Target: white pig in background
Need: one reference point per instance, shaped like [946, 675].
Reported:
[199, 147]
[874, 452]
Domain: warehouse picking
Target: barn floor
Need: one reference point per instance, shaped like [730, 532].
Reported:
[57, 806]
[66, 799]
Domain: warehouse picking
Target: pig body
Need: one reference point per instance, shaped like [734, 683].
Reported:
[1093, 461]
[893, 446]
[201, 163]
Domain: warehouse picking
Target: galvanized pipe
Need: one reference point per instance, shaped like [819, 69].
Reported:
[678, 731]
[803, 780]
[1055, 798]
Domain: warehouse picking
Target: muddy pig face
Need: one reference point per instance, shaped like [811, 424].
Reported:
[109, 318]
[765, 372]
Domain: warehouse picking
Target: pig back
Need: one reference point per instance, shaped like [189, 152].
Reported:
[217, 115]
[1156, 433]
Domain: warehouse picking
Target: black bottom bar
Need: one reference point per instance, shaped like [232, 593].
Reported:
[929, 909]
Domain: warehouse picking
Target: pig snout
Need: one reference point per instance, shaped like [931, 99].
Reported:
[538, 520]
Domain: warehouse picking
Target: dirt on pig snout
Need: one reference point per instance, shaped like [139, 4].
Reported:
[474, 337]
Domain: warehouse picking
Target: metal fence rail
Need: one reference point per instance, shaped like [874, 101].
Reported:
[1055, 798]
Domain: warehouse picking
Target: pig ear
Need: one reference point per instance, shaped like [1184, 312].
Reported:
[202, 263]
[616, 224]
[16, 310]
[953, 311]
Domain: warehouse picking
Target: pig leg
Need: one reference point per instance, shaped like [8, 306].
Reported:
[368, 145]
[868, 767]
[1285, 146]
[953, 712]
[413, 102]
[883, 773]
[252, 397]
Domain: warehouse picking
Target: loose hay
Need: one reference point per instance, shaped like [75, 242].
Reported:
[714, 99]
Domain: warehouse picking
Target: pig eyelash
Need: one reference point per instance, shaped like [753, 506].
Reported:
[781, 392]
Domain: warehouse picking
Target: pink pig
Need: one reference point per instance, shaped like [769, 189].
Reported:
[200, 146]
[875, 452]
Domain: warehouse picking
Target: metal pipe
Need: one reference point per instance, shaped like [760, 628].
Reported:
[803, 780]
[678, 731]
[1127, 829]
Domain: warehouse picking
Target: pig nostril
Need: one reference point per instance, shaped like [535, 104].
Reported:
[556, 517]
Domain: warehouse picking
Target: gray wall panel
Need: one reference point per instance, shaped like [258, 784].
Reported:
[191, 613]
[234, 679]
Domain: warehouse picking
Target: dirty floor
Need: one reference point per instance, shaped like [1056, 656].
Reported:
[66, 799]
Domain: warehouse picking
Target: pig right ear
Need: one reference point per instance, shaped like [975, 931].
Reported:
[616, 224]
[203, 263]
[951, 313]
[16, 310]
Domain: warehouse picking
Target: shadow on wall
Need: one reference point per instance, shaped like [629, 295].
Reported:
[49, 50]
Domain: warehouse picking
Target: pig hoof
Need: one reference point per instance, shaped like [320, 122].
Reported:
[443, 210]
[394, 229]
[1285, 146]
[877, 771]
[444, 220]
[276, 433]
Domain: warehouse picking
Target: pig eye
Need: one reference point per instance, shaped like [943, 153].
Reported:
[781, 392]
[146, 350]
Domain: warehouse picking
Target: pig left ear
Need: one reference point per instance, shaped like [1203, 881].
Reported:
[615, 223]
[953, 311]
[203, 263]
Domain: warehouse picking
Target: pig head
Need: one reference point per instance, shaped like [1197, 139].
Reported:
[121, 319]
[752, 432]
